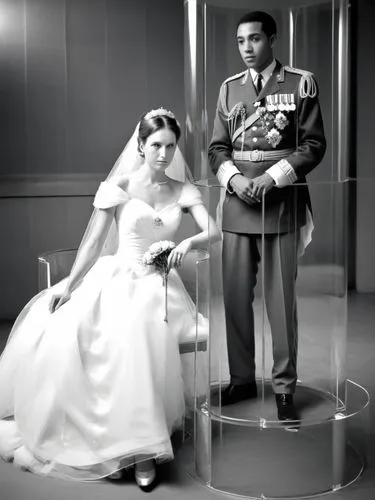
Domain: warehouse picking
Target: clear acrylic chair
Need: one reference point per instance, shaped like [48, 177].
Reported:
[55, 265]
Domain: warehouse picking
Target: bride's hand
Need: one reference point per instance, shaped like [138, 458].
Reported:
[178, 254]
[58, 300]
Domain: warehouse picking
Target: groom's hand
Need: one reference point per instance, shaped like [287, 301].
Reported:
[243, 187]
[262, 184]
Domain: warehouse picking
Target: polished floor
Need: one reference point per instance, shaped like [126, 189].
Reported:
[175, 480]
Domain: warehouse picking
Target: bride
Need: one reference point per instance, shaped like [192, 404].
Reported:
[91, 380]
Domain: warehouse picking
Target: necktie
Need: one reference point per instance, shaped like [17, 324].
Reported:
[259, 85]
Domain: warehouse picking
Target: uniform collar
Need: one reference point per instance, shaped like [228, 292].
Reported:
[272, 85]
[266, 73]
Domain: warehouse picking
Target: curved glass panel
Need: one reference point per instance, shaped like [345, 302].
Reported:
[321, 301]
[292, 293]
[326, 447]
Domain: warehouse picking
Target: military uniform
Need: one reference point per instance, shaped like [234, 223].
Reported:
[279, 131]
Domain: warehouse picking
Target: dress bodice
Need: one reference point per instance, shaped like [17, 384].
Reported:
[138, 223]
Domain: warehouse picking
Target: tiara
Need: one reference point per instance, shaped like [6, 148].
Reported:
[159, 112]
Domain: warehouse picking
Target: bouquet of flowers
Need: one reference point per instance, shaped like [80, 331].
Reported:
[157, 256]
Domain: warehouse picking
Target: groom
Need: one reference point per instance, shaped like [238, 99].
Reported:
[268, 134]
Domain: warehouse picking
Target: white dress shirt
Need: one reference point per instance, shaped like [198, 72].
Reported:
[266, 73]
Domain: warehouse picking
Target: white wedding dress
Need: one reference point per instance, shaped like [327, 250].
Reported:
[87, 388]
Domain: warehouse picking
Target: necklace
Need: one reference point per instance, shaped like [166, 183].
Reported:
[162, 182]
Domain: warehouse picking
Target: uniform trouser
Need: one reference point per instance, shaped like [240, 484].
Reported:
[242, 254]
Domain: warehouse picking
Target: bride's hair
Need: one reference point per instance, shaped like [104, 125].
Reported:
[148, 125]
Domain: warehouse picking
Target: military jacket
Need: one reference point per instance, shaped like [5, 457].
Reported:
[285, 119]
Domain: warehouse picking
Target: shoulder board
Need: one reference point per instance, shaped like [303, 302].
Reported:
[307, 85]
[242, 75]
[298, 71]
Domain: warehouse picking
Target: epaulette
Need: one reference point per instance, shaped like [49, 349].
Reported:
[224, 90]
[307, 86]
[243, 75]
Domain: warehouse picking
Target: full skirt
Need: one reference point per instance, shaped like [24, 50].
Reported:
[98, 384]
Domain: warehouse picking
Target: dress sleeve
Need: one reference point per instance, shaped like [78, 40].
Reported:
[109, 195]
[190, 196]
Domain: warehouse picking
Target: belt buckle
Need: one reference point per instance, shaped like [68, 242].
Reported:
[256, 155]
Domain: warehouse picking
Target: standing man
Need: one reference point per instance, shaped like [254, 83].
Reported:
[268, 134]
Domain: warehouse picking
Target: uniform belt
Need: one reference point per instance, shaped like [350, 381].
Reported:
[259, 155]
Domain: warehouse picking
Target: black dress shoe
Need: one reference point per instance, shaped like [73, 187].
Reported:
[286, 411]
[235, 393]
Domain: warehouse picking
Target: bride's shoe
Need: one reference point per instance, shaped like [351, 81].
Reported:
[25, 460]
[146, 479]
[10, 439]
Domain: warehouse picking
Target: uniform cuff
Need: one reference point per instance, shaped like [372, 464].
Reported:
[226, 171]
[282, 173]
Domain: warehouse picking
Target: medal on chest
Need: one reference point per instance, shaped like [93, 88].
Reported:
[273, 115]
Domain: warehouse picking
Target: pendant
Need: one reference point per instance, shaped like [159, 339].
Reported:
[158, 222]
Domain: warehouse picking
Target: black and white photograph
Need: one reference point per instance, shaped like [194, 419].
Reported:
[187, 288]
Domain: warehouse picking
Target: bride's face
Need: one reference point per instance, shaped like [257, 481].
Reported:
[159, 149]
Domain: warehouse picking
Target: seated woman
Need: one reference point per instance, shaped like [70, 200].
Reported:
[91, 379]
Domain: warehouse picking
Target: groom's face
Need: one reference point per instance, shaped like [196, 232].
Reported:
[159, 149]
[255, 47]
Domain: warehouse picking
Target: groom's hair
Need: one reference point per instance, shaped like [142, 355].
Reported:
[258, 16]
[151, 125]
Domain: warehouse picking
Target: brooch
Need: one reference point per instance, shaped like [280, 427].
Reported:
[158, 222]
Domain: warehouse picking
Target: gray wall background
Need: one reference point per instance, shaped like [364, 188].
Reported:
[364, 237]
[75, 75]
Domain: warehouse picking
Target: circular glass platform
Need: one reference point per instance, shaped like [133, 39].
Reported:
[243, 449]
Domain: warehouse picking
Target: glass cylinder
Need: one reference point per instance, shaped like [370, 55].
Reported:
[244, 448]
